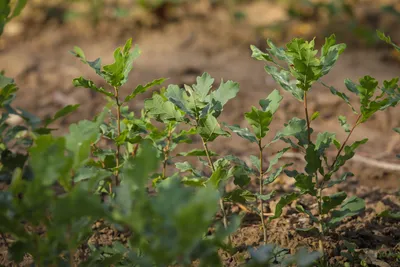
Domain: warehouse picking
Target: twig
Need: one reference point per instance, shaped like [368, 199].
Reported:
[308, 120]
[261, 192]
[345, 141]
[118, 151]
[221, 200]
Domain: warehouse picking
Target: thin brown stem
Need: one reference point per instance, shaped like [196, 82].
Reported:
[118, 151]
[221, 200]
[210, 163]
[320, 223]
[261, 192]
[308, 120]
[347, 139]
[135, 150]
[166, 151]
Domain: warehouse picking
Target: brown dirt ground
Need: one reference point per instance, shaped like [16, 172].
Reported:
[185, 48]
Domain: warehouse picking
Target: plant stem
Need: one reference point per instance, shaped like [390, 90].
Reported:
[118, 151]
[320, 226]
[308, 120]
[166, 151]
[261, 193]
[221, 200]
[345, 141]
[134, 152]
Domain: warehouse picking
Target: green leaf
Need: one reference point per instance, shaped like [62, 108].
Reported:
[301, 209]
[203, 86]
[272, 102]
[116, 74]
[141, 89]
[243, 132]
[351, 86]
[187, 167]
[278, 52]
[49, 161]
[315, 115]
[267, 196]
[276, 158]
[313, 159]
[330, 53]
[282, 77]
[4, 81]
[389, 214]
[180, 99]
[210, 129]
[62, 113]
[190, 227]
[366, 89]
[283, 201]
[306, 66]
[255, 161]
[272, 177]
[218, 176]
[350, 207]
[65, 209]
[31, 119]
[78, 52]
[260, 121]
[240, 196]
[162, 109]
[387, 39]
[82, 82]
[341, 95]
[344, 124]
[305, 184]
[342, 178]
[241, 176]
[324, 141]
[91, 174]
[7, 94]
[198, 181]
[136, 170]
[18, 8]
[225, 92]
[197, 153]
[5, 11]
[332, 201]
[259, 55]
[235, 160]
[95, 65]
[80, 138]
[336, 143]
[295, 127]
[349, 152]
[11, 133]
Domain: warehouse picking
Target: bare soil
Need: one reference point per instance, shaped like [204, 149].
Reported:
[205, 39]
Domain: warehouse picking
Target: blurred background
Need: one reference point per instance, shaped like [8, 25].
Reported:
[181, 39]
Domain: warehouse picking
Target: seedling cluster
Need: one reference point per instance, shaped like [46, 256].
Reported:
[102, 167]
